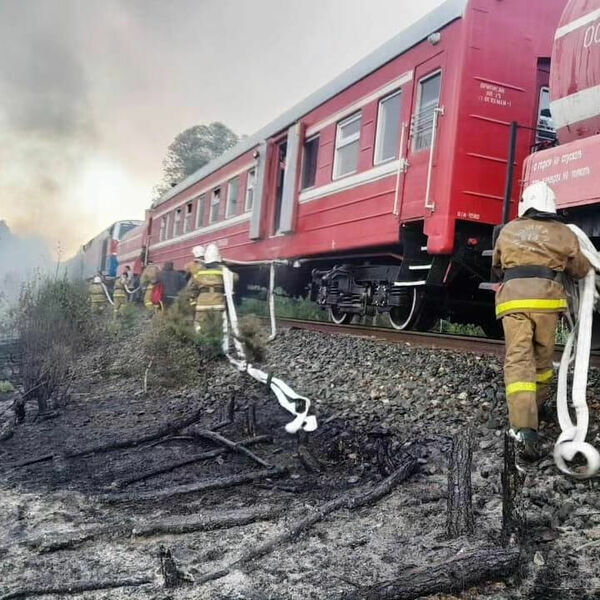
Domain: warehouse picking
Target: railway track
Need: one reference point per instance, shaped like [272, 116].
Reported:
[419, 339]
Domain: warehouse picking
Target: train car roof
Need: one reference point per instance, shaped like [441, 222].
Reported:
[448, 11]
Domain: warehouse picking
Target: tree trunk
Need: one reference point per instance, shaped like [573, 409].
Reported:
[513, 512]
[460, 508]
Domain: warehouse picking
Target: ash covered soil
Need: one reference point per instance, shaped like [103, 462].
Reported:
[377, 403]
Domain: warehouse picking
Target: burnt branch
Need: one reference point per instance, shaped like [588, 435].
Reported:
[193, 488]
[348, 501]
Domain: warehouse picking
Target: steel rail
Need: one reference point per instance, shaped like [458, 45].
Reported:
[441, 341]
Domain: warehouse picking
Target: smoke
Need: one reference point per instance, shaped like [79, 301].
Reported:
[46, 123]
[21, 259]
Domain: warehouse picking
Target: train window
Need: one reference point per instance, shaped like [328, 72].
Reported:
[388, 128]
[309, 166]
[347, 140]
[201, 211]
[250, 183]
[215, 204]
[178, 223]
[168, 232]
[429, 98]
[187, 223]
[545, 126]
[163, 229]
[232, 197]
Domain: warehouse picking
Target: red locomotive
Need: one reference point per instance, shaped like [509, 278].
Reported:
[573, 168]
[382, 188]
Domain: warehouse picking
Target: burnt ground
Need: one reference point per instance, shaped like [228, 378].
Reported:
[376, 402]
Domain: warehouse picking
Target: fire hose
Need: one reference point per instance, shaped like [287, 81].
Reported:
[297, 405]
[572, 438]
[106, 293]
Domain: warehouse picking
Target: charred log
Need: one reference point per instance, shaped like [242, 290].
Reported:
[217, 438]
[76, 587]
[175, 526]
[460, 507]
[203, 486]
[347, 501]
[187, 461]
[513, 510]
[172, 575]
[450, 576]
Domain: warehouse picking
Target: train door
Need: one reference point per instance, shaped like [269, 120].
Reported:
[281, 152]
[545, 133]
[104, 256]
[421, 152]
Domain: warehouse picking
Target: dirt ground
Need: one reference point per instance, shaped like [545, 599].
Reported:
[376, 402]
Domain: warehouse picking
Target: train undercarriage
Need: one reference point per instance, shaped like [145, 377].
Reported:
[411, 287]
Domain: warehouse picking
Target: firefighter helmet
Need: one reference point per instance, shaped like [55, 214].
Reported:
[538, 196]
[97, 279]
[212, 254]
[198, 251]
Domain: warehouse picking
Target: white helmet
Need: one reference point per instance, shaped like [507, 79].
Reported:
[198, 251]
[212, 254]
[97, 279]
[538, 196]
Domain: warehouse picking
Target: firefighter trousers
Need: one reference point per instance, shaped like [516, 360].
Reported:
[206, 318]
[529, 339]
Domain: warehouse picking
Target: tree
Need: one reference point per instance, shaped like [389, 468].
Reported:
[191, 150]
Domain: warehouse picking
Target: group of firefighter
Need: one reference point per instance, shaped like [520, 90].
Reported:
[202, 285]
[531, 254]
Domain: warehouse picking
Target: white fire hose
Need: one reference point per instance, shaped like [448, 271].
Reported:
[271, 299]
[572, 438]
[297, 405]
[106, 293]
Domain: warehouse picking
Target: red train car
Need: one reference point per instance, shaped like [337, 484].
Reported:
[573, 168]
[382, 187]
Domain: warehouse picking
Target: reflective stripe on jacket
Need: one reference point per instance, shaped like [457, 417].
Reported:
[211, 294]
[542, 242]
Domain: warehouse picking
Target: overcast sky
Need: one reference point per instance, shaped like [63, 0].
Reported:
[93, 91]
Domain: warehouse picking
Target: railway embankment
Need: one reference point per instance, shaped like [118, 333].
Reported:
[143, 494]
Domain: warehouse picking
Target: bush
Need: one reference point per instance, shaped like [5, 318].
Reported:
[286, 307]
[174, 349]
[54, 324]
[6, 387]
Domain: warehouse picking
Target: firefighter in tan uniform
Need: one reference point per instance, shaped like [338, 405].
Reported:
[97, 295]
[209, 282]
[148, 280]
[120, 294]
[194, 267]
[532, 251]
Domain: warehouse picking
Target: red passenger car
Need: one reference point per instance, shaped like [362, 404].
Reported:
[382, 188]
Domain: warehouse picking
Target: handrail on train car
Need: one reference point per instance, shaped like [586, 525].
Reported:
[437, 112]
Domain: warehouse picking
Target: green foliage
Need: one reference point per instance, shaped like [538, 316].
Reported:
[173, 347]
[6, 387]
[285, 307]
[191, 150]
[253, 336]
[459, 329]
[54, 324]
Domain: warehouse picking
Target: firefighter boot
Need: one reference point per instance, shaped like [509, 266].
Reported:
[528, 443]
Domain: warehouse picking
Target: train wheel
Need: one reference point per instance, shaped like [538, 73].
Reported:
[339, 317]
[402, 317]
